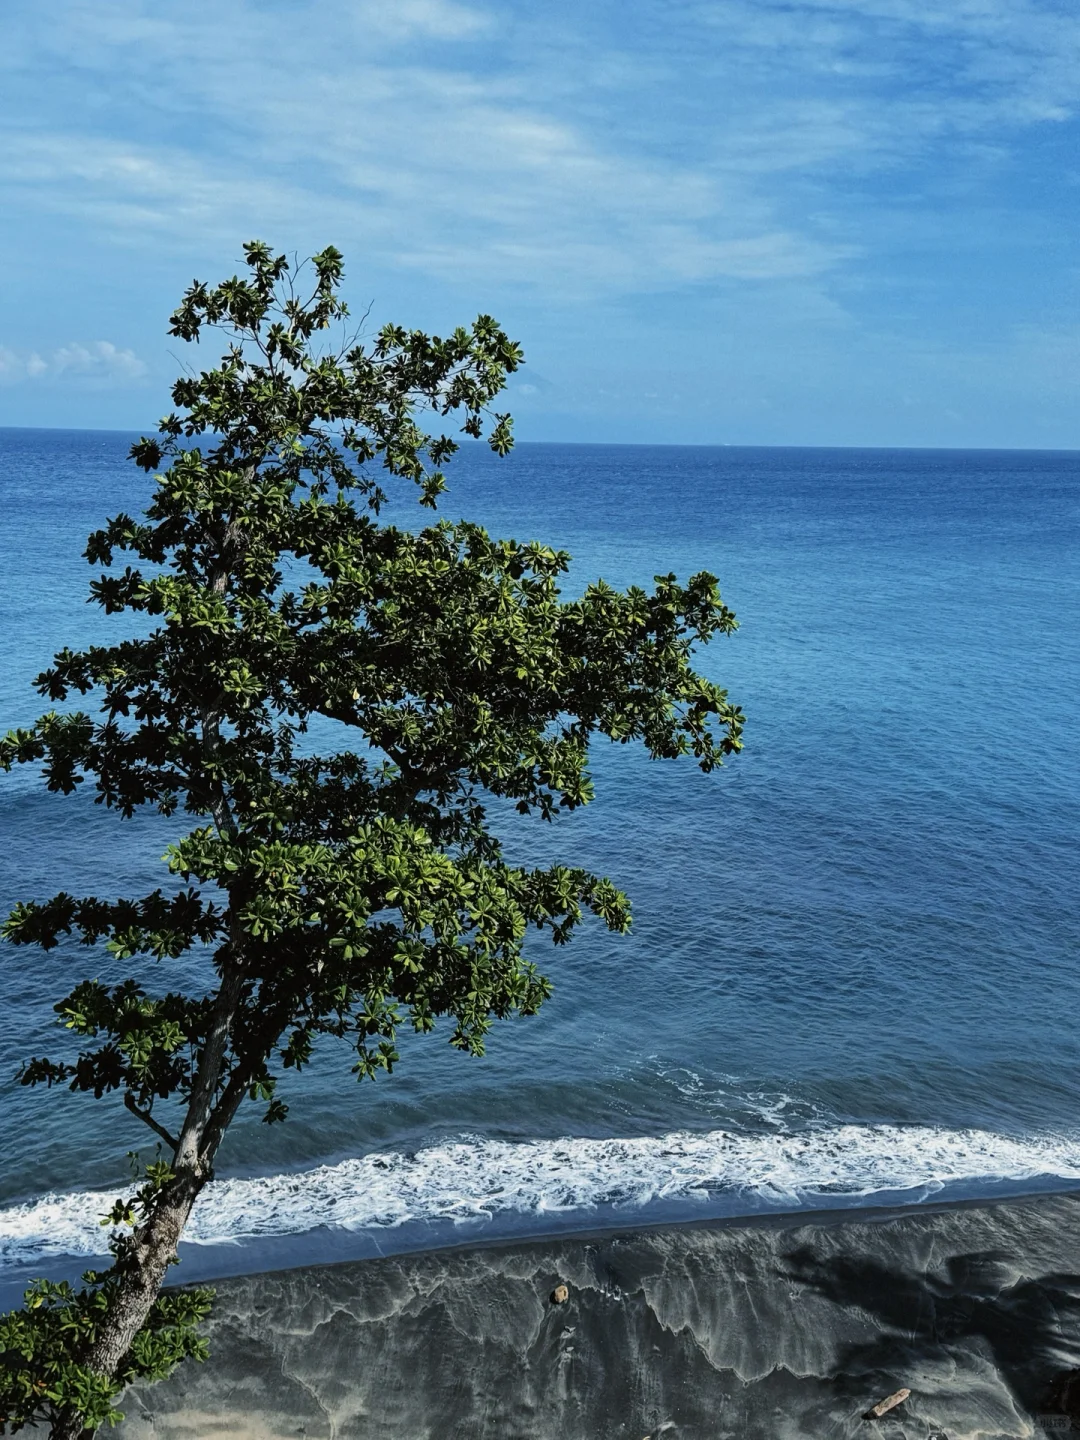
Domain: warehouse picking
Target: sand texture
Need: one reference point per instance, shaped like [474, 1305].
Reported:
[788, 1332]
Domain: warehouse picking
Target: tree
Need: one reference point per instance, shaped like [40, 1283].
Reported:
[341, 894]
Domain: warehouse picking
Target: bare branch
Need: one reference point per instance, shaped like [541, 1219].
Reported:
[221, 1116]
[148, 1119]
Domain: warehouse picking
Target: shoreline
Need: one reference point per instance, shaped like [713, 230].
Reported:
[466, 1190]
[779, 1327]
[208, 1262]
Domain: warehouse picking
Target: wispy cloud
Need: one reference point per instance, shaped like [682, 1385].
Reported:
[450, 138]
[799, 158]
[97, 362]
[448, 167]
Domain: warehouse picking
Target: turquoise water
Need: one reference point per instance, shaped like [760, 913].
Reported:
[854, 968]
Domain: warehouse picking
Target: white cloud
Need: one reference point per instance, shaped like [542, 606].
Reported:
[407, 18]
[15, 366]
[98, 362]
[101, 358]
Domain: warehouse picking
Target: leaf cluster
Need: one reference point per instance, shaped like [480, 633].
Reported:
[43, 1380]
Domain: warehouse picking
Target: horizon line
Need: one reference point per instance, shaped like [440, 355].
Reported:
[469, 442]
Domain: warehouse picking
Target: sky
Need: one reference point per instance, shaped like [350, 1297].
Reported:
[763, 222]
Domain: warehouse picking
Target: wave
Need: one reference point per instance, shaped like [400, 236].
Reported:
[477, 1178]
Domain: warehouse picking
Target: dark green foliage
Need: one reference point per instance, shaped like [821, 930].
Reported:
[40, 1373]
[341, 894]
[43, 1347]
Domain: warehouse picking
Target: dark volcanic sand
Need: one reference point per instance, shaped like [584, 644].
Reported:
[786, 1331]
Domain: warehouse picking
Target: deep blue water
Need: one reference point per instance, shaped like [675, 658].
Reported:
[854, 967]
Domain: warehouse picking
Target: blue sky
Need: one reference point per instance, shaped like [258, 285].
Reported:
[738, 221]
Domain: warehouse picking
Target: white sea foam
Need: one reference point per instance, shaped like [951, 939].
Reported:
[475, 1178]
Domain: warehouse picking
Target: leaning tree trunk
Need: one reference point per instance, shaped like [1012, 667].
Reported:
[153, 1247]
[142, 1271]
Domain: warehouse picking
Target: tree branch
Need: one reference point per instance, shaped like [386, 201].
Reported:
[221, 1115]
[211, 1064]
[148, 1119]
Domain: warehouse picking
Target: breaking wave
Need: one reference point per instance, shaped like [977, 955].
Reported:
[478, 1179]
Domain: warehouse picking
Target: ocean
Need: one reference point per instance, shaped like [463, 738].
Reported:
[854, 972]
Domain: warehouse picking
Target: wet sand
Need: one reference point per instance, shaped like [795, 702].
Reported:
[786, 1330]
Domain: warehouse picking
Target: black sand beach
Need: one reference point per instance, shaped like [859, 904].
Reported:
[783, 1331]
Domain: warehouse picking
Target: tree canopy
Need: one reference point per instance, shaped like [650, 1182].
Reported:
[346, 893]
